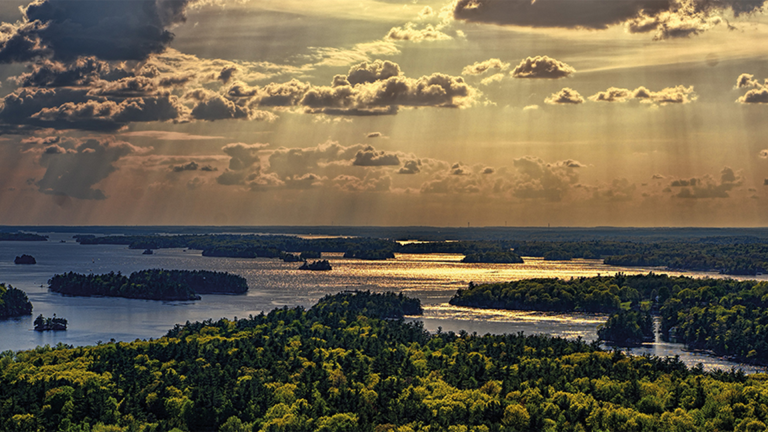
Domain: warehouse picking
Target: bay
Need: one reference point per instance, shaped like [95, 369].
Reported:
[432, 278]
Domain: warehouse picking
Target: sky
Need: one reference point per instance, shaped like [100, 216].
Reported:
[647, 113]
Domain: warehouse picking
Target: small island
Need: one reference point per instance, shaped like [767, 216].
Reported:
[168, 285]
[147, 252]
[322, 265]
[25, 259]
[50, 324]
[493, 257]
[13, 302]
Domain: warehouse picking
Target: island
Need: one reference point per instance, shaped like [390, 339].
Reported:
[155, 284]
[322, 265]
[493, 257]
[147, 252]
[50, 324]
[25, 259]
[4, 236]
[13, 302]
[353, 363]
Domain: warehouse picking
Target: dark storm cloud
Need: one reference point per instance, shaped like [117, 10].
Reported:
[65, 176]
[667, 18]
[109, 30]
[542, 67]
[370, 157]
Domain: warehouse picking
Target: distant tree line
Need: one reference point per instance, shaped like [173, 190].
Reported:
[340, 367]
[149, 284]
[13, 302]
[4, 236]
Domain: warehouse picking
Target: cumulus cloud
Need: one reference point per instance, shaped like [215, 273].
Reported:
[409, 32]
[669, 95]
[492, 79]
[213, 106]
[191, 166]
[707, 186]
[83, 71]
[566, 96]
[410, 167]
[374, 135]
[541, 180]
[666, 19]
[109, 30]
[758, 93]
[369, 183]
[763, 154]
[370, 157]
[542, 67]
[243, 155]
[65, 176]
[618, 190]
[479, 68]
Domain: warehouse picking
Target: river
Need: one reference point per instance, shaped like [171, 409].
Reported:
[432, 278]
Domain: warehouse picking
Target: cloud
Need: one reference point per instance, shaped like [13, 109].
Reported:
[373, 135]
[213, 106]
[765, 182]
[83, 71]
[707, 186]
[566, 96]
[530, 107]
[409, 32]
[542, 67]
[757, 95]
[191, 166]
[618, 190]
[492, 79]
[746, 81]
[763, 154]
[669, 95]
[540, 180]
[668, 19]
[410, 167]
[65, 174]
[108, 30]
[370, 157]
[370, 183]
[243, 155]
[479, 68]
[169, 136]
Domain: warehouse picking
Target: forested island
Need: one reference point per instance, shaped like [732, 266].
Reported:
[25, 259]
[345, 365]
[724, 316]
[322, 265]
[50, 324]
[13, 302]
[20, 236]
[495, 257]
[149, 284]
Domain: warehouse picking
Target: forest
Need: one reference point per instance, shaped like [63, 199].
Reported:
[13, 302]
[725, 316]
[155, 284]
[351, 363]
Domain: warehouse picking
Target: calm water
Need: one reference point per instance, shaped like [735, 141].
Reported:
[431, 278]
